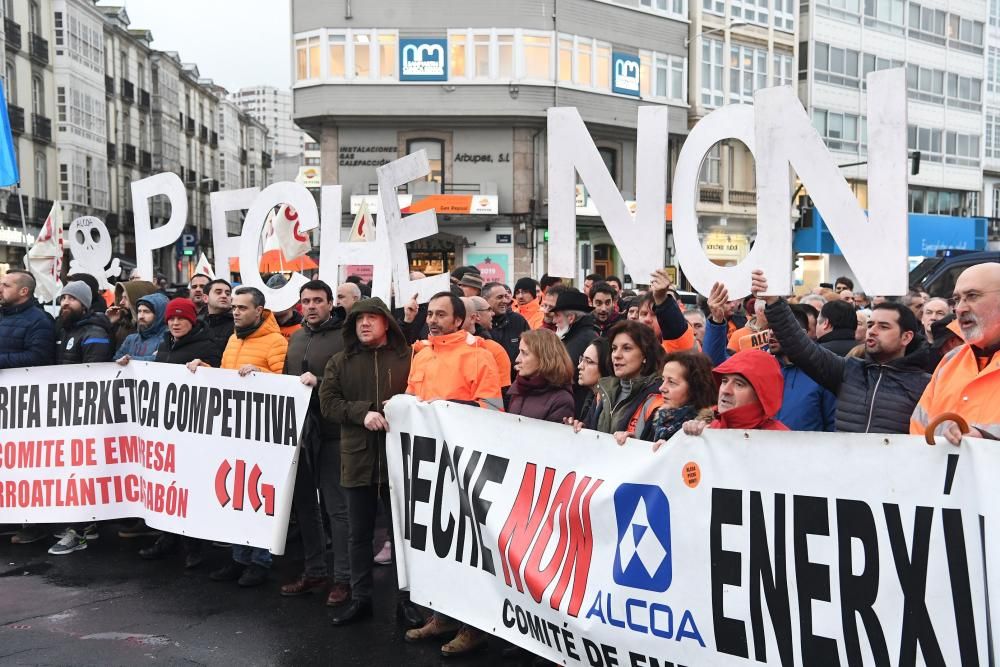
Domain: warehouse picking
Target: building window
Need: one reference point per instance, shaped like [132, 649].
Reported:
[37, 96]
[711, 166]
[784, 15]
[783, 75]
[927, 141]
[435, 156]
[885, 15]
[925, 84]
[836, 65]
[927, 24]
[537, 51]
[961, 149]
[307, 59]
[965, 34]
[752, 11]
[747, 72]
[996, 202]
[992, 143]
[717, 7]
[840, 131]
[34, 18]
[939, 202]
[41, 182]
[584, 62]
[845, 10]
[711, 73]
[964, 92]
[10, 82]
[662, 76]
[995, 20]
[676, 7]
[993, 70]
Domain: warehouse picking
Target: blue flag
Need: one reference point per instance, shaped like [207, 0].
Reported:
[8, 157]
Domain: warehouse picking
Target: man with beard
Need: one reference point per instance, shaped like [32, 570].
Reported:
[309, 350]
[84, 337]
[967, 380]
[876, 393]
[218, 317]
[150, 325]
[197, 292]
[507, 326]
[603, 298]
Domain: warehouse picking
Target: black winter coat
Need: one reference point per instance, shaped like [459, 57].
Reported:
[220, 327]
[309, 350]
[198, 344]
[838, 341]
[871, 397]
[507, 330]
[27, 336]
[89, 341]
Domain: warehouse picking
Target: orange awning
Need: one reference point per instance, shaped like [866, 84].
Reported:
[273, 260]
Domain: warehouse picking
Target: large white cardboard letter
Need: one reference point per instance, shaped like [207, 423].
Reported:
[417, 226]
[298, 198]
[224, 246]
[148, 239]
[640, 239]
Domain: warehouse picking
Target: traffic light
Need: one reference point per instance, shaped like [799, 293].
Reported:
[914, 163]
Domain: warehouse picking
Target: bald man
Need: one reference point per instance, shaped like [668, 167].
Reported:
[477, 311]
[348, 294]
[967, 381]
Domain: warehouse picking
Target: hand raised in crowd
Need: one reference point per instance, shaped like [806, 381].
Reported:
[193, 365]
[114, 313]
[622, 436]
[124, 360]
[308, 379]
[758, 286]
[376, 422]
[247, 369]
[575, 423]
[410, 309]
[717, 300]
[694, 427]
[659, 285]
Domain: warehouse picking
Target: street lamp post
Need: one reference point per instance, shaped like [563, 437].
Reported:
[735, 23]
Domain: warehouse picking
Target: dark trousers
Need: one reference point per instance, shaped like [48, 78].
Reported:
[362, 508]
[305, 504]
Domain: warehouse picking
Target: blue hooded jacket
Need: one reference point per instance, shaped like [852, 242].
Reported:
[141, 346]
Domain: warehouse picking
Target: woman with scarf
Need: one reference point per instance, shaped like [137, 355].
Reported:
[543, 387]
[750, 390]
[629, 398]
[688, 392]
[595, 363]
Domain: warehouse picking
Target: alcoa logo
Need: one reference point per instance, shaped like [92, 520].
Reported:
[627, 74]
[643, 557]
[423, 59]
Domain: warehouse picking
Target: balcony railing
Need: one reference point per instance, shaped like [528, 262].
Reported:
[145, 160]
[190, 178]
[144, 99]
[12, 34]
[203, 134]
[128, 154]
[112, 152]
[109, 85]
[213, 139]
[243, 156]
[128, 91]
[41, 128]
[16, 116]
[189, 126]
[205, 185]
[709, 195]
[39, 49]
[265, 159]
[742, 198]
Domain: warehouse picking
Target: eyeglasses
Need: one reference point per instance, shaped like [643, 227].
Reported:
[587, 362]
[969, 297]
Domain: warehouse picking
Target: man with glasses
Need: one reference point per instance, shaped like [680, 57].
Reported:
[967, 380]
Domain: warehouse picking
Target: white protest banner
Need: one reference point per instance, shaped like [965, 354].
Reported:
[209, 455]
[736, 546]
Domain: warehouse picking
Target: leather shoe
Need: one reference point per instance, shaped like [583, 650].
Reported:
[193, 560]
[162, 548]
[410, 615]
[254, 575]
[339, 594]
[229, 572]
[303, 586]
[357, 610]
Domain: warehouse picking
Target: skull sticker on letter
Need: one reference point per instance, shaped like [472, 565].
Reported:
[90, 245]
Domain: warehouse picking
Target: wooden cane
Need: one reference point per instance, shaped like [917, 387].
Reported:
[963, 425]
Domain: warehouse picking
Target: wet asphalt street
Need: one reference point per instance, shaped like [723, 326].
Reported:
[106, 606]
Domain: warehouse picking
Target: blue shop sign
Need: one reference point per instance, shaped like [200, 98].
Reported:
[928, 234]
[423, 59]
[625, 74]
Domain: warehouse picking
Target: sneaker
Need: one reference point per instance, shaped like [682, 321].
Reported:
[138, 528]
[29, 534]
[384, 557]
[88, 532]
[435, 628]
[71, 541]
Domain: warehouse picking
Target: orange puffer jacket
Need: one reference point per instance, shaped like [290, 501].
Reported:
[265, 348]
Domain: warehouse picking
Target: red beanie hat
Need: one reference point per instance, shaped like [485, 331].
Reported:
[183, 308]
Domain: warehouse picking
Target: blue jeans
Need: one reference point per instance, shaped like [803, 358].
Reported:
[245, 555]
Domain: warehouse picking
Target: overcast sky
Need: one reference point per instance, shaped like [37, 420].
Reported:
[237, 43]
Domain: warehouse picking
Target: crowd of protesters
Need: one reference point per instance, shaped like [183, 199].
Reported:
[635, 364]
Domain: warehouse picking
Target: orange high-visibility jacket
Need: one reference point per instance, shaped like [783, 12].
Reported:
[959, 386]
[532, 312]
[265, 348]
[455, 367]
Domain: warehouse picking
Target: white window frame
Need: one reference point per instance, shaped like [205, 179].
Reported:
[520, 53]
[673, 8]
[714, 91]
[783, 13]
[783, 65]
[742, 96]
[594, 44]
[493, 54]
[649, 74]
[313, 77]
[347, 35]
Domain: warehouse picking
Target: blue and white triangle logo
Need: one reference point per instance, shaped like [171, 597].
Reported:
[642, 559]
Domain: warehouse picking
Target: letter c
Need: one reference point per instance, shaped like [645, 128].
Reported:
[508, 618]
